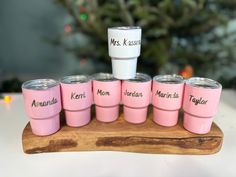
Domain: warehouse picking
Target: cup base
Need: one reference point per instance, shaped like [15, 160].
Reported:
[135, 115]
[107, 114]
[78, 118]
[45, 127]
[197, 125]
[124, 68]
[165, 118]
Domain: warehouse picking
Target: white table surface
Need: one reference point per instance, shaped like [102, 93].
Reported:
[14, 163]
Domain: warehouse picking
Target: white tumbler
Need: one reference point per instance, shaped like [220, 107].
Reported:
[124, 45]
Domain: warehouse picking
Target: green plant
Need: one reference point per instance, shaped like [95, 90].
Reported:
[175, 33]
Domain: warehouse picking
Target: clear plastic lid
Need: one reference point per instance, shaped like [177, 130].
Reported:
[40, 84]
[75, 79]
[203, 82]
[140, 77]
[104, 77]
[169, 79]
[125, 28]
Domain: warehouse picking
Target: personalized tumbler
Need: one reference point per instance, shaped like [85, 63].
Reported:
[201, 100]
[136, 98]
[107, 96]
[124, 45]
[42, 102]
[76, 92]
[167, 95]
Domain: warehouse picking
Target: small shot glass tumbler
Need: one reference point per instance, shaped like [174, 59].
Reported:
[42, 101]
[76, 92]
[167, 96]
[201, 100]
[136, 95]
[107, 96]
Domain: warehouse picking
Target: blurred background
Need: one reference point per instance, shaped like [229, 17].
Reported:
[54, 38]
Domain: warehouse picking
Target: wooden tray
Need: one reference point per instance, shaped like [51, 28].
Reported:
[123, 136]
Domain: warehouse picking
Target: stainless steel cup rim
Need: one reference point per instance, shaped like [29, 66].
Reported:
[203, 83]
[140, 77]
[169, 79]
[75, 79]
[39, 84]
[104, 77]
[124, 28]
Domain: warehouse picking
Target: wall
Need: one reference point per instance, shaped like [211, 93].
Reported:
[23, 51]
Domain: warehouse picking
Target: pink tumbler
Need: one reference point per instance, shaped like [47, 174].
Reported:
[167, 95]
[201, 100]
[42, 102]
[136, 98]
[76, 92]
[107, 96]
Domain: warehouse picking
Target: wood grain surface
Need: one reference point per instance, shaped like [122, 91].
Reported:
[123, 136]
